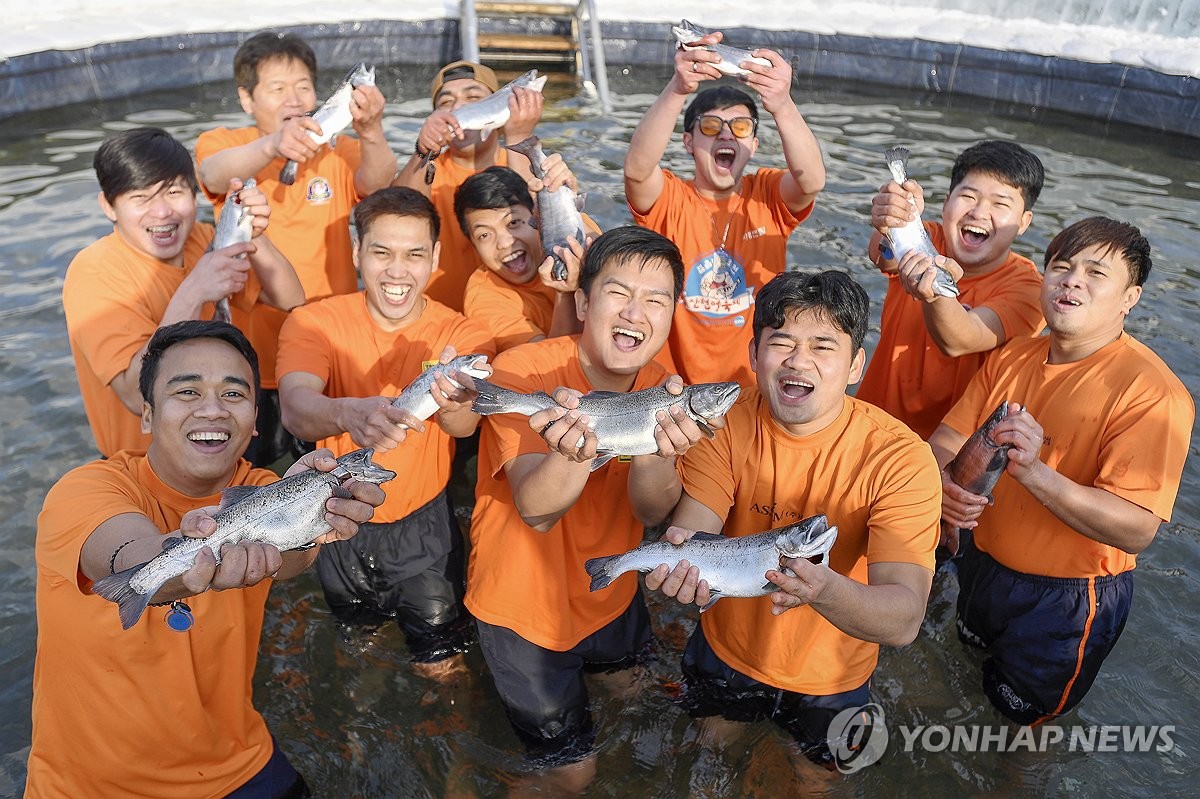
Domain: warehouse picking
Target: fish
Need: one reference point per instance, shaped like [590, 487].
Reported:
[290, 514]
[333, 116]
[978, 465]
[416, 399]
[491, 112]
[235, 225]
[914, 236]
[623, 423]
[731, 565]
[686, 34]
[558, 216]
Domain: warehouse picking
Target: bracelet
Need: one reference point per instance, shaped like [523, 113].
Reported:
[112, 562]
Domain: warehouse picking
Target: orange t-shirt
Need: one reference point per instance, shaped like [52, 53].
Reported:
[512, 313]
[114, 298]
[310, 225]
[534, 583]
[908, 376]
[868, 473]
[1119, 420]
[711, 332]
[145, 712]
[336, 340]
[458, 258]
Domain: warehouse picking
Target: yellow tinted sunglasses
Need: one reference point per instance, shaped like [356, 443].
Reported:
[741, 127]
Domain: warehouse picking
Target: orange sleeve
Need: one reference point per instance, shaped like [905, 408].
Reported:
[303, 344]
[1016, 300]
[212, 142]
[74, 507]
[904, 520]
[707, 470]
[512, 434]
[502, 313]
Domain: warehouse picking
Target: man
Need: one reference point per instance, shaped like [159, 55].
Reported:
[149, 711]
[276, 77]
[513, 295]
[152, 270]
[1097, 452]
[541, 511]
[341, 363]
[732, 228]
[794, 447]
[462, 154]
[929, 349]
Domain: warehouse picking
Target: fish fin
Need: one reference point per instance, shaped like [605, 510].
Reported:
[130, 604]
[597, 569]
[715, 595]
[602, 457]
[171, 541]
[341, 493]
[580, 199]
[706, 429]
[333, 141]
[287, 175]
[534, 223]
[235, 494]
[484, 133]
[602, 395]
[487, 400]
[708, 537]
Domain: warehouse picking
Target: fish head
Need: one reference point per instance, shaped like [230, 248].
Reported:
[470, 366]
[810, 538]
[998, 415]
[359, 464]
[707, 400]
[537, 84]
[361, 75]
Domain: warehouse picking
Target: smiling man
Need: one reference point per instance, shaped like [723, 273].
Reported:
[731, 228]
[541, 511]
[162, 712]
[1097, 453]
[152, 270]
[341, 363]
[276, 77]
[929, 349]
[793, 447]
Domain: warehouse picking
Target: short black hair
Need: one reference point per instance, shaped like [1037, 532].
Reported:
[1007, 162]
[395, 201]
[169, 335]
[265, 46]
[1122, 238]
[834, 294]
[630, 244]
[495, 188]
[139, 158]
[718, 97]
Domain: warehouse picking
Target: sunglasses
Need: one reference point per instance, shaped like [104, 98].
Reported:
[740, 127]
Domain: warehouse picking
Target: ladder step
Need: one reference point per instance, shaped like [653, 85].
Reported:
[518, 42]
[512, 9]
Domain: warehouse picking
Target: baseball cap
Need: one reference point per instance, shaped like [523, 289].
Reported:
[463, 69]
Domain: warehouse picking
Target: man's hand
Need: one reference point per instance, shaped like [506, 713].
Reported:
[524, 112]
[773, 83]
[694, 65]
[807, 587]
[366, 109]
[564, 429]
[292, 141]
[917, 272]
[682, 582]
[374, 422]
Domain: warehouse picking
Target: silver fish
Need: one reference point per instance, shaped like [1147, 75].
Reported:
[235, 225]
[687, 34]
[334, 116]
[732, 566]
[914, 236]
[289, 514]
[491, 112]
[417, 400]
[979, 464]
[558, 211]
[623, 423]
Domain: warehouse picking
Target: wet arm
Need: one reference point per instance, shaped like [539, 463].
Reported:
[545, 486]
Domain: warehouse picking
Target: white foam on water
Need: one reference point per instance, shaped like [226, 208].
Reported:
[75, 24]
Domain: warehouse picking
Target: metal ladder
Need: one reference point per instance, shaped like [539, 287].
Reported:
[538, 32]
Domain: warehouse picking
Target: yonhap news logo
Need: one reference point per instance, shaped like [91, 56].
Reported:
[858, 737]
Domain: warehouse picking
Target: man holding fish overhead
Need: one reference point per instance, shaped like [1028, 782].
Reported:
[797, 448]
[156, 267]
[732, 228]
[164, 708]
[1094, 462]
[448, 150]
[276, 77]
[935, 331]
[542, 510]
[342, 364]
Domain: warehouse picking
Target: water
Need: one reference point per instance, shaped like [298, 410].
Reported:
[349, 710]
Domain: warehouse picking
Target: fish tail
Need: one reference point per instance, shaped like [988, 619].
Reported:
[488, 400]
[116, 588]
[526, 147]
[287, 175]
[598, 570]
[897, 154]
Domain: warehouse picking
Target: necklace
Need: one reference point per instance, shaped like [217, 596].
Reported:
[734, 207]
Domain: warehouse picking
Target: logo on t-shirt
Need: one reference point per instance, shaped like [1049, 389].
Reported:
[716, 287]
[319, 192]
